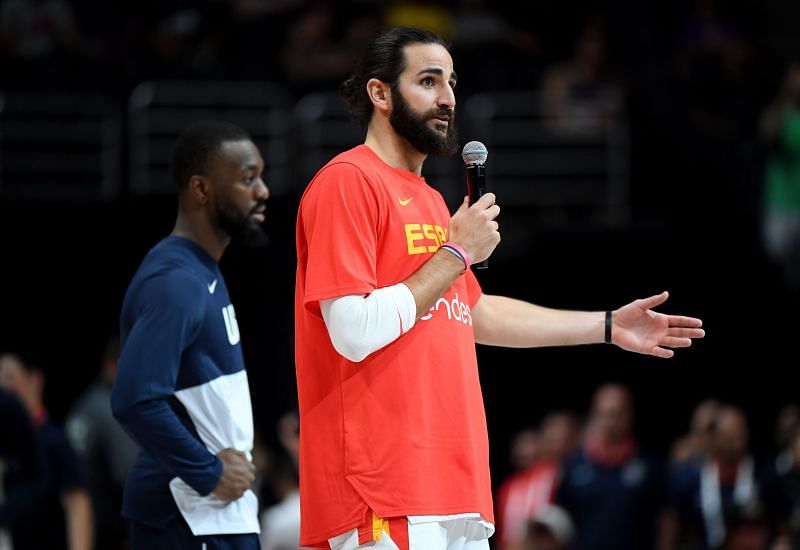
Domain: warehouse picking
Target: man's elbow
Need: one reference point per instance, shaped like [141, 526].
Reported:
[121, 408]
[351, 349]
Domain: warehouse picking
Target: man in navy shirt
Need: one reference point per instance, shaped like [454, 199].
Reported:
[612, 490]
[182, 390]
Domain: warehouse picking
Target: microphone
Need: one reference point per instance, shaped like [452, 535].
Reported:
[474, 155]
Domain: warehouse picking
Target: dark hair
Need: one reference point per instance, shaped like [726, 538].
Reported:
[196, 146]
[383, 59]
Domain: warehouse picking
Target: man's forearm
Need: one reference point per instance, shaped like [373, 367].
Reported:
[433, 279]
[154, 426]
[507, 322]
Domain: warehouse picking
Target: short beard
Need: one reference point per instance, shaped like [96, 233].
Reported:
[241, 228]
[414, 128]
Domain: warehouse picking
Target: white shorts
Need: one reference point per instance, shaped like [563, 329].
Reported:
[457, 532]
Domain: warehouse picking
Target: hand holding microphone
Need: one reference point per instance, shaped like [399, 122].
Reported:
[473, 226]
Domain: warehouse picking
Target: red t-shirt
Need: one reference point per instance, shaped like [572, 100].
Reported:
[404, 431]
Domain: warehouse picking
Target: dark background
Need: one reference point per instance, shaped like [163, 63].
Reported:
[695, 225]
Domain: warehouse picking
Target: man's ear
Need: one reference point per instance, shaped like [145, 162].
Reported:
[380, 94]
[199, 189]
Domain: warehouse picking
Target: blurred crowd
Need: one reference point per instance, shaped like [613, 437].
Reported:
[591, 485]
[576, 482]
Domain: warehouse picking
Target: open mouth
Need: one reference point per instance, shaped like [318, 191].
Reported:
[441, 123]
[258, 214]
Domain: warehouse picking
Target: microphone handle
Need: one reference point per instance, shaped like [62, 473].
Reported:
[476, 187]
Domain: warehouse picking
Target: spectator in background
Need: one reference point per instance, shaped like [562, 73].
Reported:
[550, 529]
[782, 496]
[433, 16]
[781, 493]
[714, 57]
[612, 490]
[526, 493]
[717, 500]
[786, 425]
[23, 471]
[107, 453]
[524, 449]
[65, 518]
[280, 523]
[481, 36]
[321, 45]
[694, 445]
[780, 131]
[41, 44]
[581, 97]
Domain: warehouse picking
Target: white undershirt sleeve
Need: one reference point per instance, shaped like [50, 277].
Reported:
[359, 325]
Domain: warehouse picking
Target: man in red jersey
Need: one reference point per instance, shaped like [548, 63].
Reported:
[394, 451]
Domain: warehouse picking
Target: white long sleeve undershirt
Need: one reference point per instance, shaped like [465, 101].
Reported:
[362, 324]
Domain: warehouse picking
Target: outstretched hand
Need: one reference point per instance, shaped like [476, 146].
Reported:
[636, 327]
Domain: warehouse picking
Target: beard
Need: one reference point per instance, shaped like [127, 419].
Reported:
[240, 227]
[413, 126]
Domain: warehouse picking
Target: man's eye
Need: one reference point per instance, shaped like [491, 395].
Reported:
[427, 81]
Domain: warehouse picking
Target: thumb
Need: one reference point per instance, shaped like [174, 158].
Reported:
[653, 301]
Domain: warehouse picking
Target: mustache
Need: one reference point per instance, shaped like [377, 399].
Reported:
[260, 205]
[443, 111]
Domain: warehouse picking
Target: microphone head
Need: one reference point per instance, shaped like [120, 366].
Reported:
[474, 153]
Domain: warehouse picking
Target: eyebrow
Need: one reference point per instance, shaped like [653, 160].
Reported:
[436, 70]
[250, 166]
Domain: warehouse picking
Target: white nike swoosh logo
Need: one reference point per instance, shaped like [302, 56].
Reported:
[212, 287]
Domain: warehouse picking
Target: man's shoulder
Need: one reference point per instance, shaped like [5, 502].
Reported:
[349, 174]
[171, 260]
[167, 278]
[359, 161]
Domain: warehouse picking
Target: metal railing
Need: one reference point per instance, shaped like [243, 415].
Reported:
[59, 146]
[159, 110]
[554, 162]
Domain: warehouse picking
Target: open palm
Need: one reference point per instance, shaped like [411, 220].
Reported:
[636, 327]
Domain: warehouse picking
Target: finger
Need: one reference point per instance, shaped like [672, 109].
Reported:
[492, 212]
[462, 207]
[653, 301]
[681, 321]
[486, 200]
[662, 352]
[681, 332]
[672, 342]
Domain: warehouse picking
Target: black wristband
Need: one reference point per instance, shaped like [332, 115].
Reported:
[608, 327]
